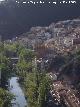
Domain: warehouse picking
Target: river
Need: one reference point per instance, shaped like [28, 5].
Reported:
[14, 88]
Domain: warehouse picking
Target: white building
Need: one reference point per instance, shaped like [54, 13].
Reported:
[68, 41]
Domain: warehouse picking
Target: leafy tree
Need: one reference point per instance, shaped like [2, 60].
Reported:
[26, 54]
[37, 88]
[5, 98]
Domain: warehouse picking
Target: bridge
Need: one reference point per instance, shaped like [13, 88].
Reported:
[14, 60]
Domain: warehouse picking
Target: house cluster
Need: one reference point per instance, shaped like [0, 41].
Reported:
[57, 37]
[49, 41]
[65, 35]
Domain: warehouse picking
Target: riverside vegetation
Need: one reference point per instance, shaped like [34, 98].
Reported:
[35, 83]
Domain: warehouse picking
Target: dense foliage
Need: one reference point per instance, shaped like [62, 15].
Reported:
[37, 86]
[36, 83]
[5, 98]
[5, 69]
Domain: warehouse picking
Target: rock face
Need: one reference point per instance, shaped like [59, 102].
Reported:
[18, 18]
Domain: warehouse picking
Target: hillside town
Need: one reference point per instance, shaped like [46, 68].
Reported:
[55, 48]
[59, 37]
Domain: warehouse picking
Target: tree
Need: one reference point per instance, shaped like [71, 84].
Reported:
[37, 88]
[26, 54]
[5, 98]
